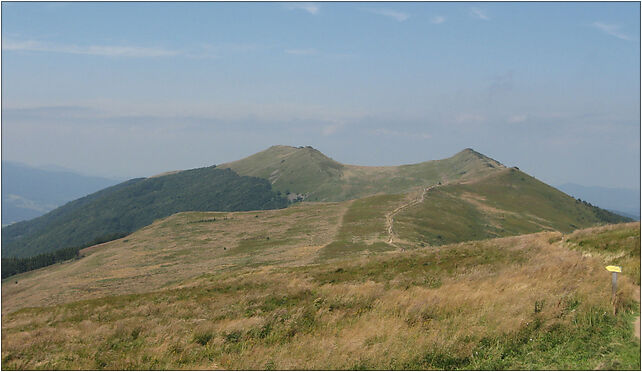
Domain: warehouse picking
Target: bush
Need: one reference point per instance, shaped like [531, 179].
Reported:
[203, 337]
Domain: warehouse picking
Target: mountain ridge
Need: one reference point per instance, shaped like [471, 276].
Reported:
[308, 172]
[259, 181]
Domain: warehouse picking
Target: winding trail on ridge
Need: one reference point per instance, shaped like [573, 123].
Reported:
[390, 216]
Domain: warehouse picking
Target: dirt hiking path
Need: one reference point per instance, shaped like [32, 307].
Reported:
[390, 217]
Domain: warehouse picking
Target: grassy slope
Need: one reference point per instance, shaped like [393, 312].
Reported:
[505, 203]
[189, 244]
[269, 289]
[136, 203]
[613, 245]
[362, 227]
[291, 169]
[307, 171]
[177, 248]
[525, 302]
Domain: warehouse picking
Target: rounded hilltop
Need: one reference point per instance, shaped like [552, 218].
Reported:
[305, 170]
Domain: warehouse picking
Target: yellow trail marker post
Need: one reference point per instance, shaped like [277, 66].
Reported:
[614, 270]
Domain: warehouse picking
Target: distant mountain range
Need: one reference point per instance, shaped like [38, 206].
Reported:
[480, 197]
[29, 192]
[625, 202]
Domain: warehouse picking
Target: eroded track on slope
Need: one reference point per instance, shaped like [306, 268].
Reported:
[390, 217]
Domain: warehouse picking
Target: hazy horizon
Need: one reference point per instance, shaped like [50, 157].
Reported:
[90, 173]
[125, 90]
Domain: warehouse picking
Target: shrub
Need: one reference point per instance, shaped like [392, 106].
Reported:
[203, 337]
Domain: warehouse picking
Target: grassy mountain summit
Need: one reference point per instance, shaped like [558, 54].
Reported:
[508, 202]
[308, 172]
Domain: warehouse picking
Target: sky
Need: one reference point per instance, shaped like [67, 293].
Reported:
[134, 89]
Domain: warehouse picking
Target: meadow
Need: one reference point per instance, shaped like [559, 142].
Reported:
[523, 302]
[497, 271]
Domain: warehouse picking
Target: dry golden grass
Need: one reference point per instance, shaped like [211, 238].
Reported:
[182, 246]
[525, 302]
[600, 229]
[612, 244]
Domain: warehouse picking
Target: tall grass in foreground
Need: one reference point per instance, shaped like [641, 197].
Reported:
[613, 244]
[523, 302]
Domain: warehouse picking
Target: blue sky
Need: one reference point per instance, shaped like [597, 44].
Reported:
[134, 89]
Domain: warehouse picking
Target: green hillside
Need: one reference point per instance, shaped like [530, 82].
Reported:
[136, 203]
[504, 203]
[398, 281]
[300, 173]
[473, 197]
[189, 244]
[306, 171]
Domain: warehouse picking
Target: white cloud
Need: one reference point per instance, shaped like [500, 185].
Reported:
[466, 118]
[331, 129]
[172, 109]
[311, 8]
[480, 14]
[437, 20]
[302, 52]
[517, 119]
[96, 50]
[612, 30]
[396, 15]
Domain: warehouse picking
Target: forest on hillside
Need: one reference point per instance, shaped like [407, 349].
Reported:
[133, 204]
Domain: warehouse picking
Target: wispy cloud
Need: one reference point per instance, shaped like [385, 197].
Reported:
[319, 53]
[437, 20]
[302, 52]
[613, 30]
[396, 15]
[96, 50]
[517, 118]
[44, 112]
[311, 8]
[221, 50]
[173, 109]
[467, 118]
[480, 14]
[329, 130]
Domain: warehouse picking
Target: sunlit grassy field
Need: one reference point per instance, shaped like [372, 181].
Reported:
[525, 302]
[177, 248]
